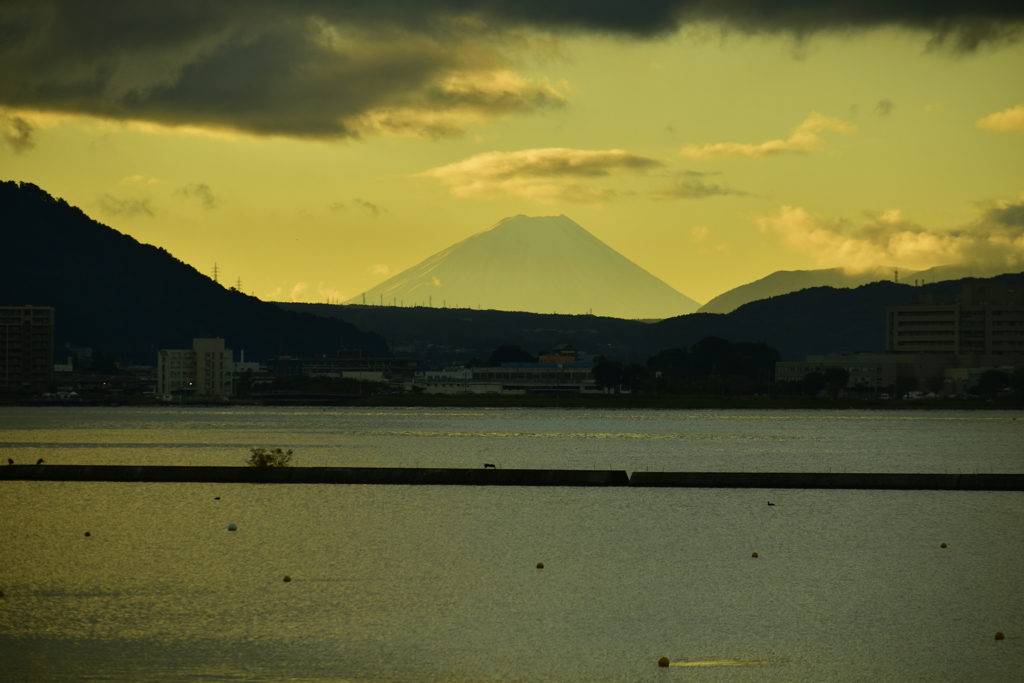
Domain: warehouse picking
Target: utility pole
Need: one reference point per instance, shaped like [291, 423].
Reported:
[364, 298]
[216, 271]
[238, 285]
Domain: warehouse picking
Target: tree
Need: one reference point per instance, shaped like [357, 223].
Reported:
[935, 384]
[1017, 380]
[633, 375]
[510, 354]
[262, 457]
[607, 373]
[836, 380]
[905, 383]
[991, 381]
[814, 382]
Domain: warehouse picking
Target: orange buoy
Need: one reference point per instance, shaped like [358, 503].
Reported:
[540, 565]
[663, 661]
[88, 534]
[943, 545]
[1000, 636]
[753, 554]
[287, 579]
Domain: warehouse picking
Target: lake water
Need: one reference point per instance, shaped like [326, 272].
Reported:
[439, 584]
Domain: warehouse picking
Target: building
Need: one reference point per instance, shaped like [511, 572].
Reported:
[986, 320]
[546, 378]
[26, 348]
[558, 372]
[207, 369]
[940, 340]
[352, 364]
[878, 371]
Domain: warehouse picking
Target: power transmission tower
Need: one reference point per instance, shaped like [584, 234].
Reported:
[216, 272]
[238, 285]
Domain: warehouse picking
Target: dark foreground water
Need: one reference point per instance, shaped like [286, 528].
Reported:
[440, 583]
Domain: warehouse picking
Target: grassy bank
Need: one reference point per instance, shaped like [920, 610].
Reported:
[595, 402]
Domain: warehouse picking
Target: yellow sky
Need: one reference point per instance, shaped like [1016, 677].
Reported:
[736, 157]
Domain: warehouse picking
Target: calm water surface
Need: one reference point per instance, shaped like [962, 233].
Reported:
[439, 584]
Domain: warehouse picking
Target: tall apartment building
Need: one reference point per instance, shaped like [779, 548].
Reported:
[26, 347]
[208, 369]
[986, 319]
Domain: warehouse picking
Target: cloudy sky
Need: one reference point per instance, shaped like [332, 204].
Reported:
[313, 148]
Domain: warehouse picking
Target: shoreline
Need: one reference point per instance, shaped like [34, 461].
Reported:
[598, 402]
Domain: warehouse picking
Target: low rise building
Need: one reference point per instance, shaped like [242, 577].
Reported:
[207, 369]
[362, 365]
[869, 370]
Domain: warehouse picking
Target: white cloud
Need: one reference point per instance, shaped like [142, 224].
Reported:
[804, 138]
[299, 291]
[329, 293]
[380, 269]
[997, 236]
[543, 175]
[458, 100]
[699, 233]
[1006, 120]
[139, 179]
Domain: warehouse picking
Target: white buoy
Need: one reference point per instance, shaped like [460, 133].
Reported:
[232, 527]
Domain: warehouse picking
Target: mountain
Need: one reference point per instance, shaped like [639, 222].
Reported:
[814, 321]
[786, 281]
[539, 264]
[443, 336]
[129, 300]
[817, 320]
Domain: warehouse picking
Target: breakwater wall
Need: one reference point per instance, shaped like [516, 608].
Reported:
[495, 477]
[830, 480]
[316, 475]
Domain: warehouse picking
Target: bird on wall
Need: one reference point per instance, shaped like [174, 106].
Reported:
[10, 461]
[39, 461]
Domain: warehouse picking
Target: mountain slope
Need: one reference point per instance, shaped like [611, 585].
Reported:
[543, 264]
[786, 281]
[130, 299]
[817, 320]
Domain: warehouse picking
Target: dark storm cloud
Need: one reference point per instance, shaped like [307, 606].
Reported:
[202, 192]
[1010, 215]
[315, 68]
[17, 133]
[125, 207]
[694, 189]
[370, 208]
[884, 107]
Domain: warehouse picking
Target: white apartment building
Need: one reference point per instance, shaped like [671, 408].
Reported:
[207, 369]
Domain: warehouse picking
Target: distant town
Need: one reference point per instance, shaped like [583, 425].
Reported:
[940, 347]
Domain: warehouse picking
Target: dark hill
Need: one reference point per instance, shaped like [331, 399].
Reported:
[819, 320]
[444, 335]
[129, 299]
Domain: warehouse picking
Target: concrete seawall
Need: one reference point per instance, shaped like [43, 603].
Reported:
[823, 480]
[493, 477]
[316, 475]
